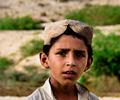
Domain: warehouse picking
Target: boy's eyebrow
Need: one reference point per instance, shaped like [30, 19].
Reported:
[63, 49]
[79, 51]
[67, 49]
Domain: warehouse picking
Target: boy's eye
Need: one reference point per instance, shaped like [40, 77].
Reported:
[62, 53]
[79, 54]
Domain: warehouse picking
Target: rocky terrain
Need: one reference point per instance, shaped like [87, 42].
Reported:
[46, 10]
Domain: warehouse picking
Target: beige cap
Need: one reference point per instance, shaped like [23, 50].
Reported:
[55, 29]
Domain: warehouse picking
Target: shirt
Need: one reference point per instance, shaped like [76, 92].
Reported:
[45, 93]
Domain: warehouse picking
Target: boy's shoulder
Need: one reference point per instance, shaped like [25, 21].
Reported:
[42, 93]
[92, 96]
[35, 95]
[84, 93]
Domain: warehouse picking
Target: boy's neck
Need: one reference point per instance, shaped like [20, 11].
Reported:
[69, 89]
[65, 92]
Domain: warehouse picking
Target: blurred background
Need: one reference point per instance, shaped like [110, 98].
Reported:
[21, 25]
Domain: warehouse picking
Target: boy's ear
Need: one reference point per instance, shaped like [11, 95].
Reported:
[44, 59]
[89, 63]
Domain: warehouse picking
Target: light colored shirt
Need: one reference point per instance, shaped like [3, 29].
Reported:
[45, 93]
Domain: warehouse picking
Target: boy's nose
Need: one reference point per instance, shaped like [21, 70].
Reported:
[70, 60]
[70, 64]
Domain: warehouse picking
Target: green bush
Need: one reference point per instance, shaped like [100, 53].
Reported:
[106, 58]
[33, 77]
[21, 23]
[31, 68]
[18, 76]
[39, 77]
[32, 47]
[5, 63]
[97, 15]
[82, 79]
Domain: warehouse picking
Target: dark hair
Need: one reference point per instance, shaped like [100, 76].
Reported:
[68, 31]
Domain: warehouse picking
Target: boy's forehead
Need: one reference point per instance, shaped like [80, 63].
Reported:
[69, 42]
[72, 50]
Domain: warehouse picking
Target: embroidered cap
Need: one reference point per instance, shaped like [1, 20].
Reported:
[55, 29]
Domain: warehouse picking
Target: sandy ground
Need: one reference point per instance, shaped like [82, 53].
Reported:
[23, 98]
[12, 98]
[11, 41]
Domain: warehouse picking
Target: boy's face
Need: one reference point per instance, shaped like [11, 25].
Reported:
[67, 60]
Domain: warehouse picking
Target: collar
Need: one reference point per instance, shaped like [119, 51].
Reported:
[47, 88]
[82, 91]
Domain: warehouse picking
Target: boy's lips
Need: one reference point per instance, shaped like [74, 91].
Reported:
[69, 74]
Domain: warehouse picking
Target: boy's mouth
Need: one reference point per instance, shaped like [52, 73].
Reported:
[69, 74]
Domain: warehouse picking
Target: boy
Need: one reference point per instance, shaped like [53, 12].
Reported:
[67, 53]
